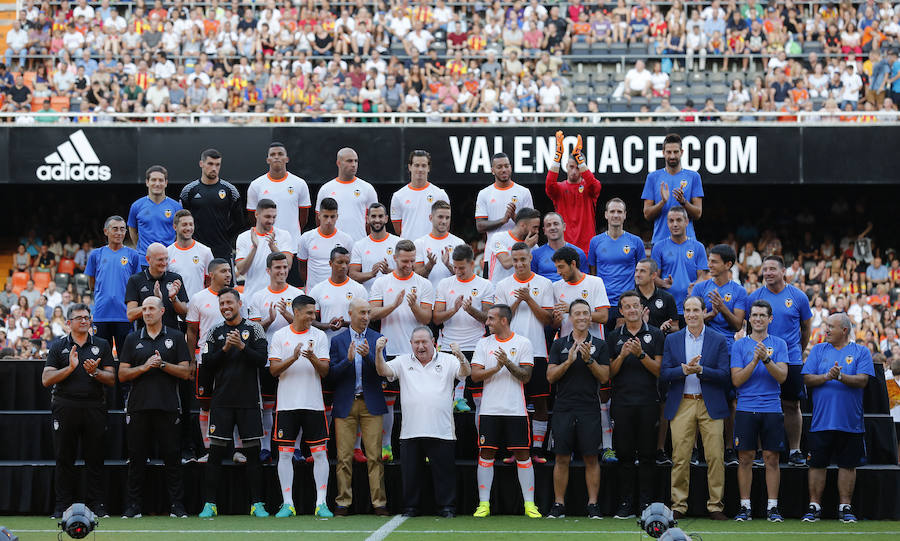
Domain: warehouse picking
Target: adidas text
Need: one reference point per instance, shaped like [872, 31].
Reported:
[78, 171]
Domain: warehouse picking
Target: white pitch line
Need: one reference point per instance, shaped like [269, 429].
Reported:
[381, 533]
[462, 532]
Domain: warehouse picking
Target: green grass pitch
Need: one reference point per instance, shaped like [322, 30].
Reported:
[498, 528]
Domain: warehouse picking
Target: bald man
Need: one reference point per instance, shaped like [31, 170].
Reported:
[353, 195]
[836, 372]
[358, 403]
[156, 281]
[155, 358]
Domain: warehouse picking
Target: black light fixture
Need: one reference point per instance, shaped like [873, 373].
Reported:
[674, 534]
[78, 521]
[656, 519]
[6, 535]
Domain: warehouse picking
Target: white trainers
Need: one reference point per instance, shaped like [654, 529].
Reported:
[239, 458]
[203, 459]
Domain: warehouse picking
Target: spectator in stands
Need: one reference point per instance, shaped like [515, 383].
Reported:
[16, 44]
[8, 297]
[29, 294]
[837, 370]
[695, 44]
[19, 94]
[637, 81]
[21, 259]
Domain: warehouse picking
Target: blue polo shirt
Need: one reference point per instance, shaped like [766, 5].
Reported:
[837, 406]
[681, 262]
[686, 179]
[615, 261]
[735, 297]
[541, 262]
[761, 393]
[153, 222]
[111, 271]
[790, 307]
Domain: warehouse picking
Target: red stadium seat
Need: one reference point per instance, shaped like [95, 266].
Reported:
[66, 266]
[19, 281]
[41, 280]
[59, 103]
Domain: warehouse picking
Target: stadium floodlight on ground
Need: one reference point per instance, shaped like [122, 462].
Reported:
[6, 535]
[78, 521]
[656, 519]
[674, 534]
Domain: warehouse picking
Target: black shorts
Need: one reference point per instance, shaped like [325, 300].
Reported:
[475, 388]
[496, 431]
[223, 420]
[203, 383]
[793, 389]
[847, 449]
[289, 422]
[767, 428]
[663, 388]
[538, 386]
[583, 428]
[268, 384]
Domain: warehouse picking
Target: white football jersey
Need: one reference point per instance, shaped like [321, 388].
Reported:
[256, 277]
[315, 249]
[429, 244]
[589, 288]
[368, 251]
[353, 199]
[333, 300]
[399, 324]
[462, 329]
[503, 393]
[524, 321]
[492, 201]
[411, 207]
[299, 387]
[500, 242]
[191, 263]
[259, 303]
[289, 194]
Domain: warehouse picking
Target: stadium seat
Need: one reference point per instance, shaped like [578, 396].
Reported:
[716, 77]
[697, 77]
[677, 76]
[29, 77]
[41, 280]
[62, 280]
[618, 48]
[600, 77]
[580, 77]
[66, 266]
[59, 104]
[600, 49]
[581, 89]
[602, 90]
[36, 103]
[813, 47]
[19, 281]
[82, 283]
[581, 48]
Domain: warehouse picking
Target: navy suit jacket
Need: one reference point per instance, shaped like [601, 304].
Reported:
[715, 380]
[342, 373]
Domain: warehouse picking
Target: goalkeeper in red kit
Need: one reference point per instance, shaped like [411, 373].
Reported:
[576, 196]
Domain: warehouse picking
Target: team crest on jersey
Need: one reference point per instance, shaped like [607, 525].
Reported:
[169, 343]
[357, 193]
[481, 439]
[769, 351]
[788, 303]
[474, 292]
[430, 199]
[168, 213]
[413, 290]
[659, 304]
[206, 346]
[683, 183]
[584, 294]
[245, 334]
[497, 245]
[626, 249]
[581, 189]
[221, 194]
[512, 352]
[123, 261]
[349, 296]
[727, 297]
[515, 199]
[535, 292]
[196, 259]
[212, 428]
[290, 190]
[280, 433]
[848, 359]
[647, 338]
[689, 254]
[390, 251]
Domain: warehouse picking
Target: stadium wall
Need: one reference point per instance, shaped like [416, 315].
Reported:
[737, 155]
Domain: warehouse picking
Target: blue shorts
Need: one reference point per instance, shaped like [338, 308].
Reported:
[767, 428]
[847, 449]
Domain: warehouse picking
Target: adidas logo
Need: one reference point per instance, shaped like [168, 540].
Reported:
[74, 160]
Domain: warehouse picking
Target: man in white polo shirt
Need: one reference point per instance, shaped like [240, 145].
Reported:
[353, 195]
[373, 255]
[314, 250]
[408, 202]
[426, 381]
[258, 242]
[433, 250]
[188, 257]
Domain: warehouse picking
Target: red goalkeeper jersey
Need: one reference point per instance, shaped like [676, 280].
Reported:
[576, 203]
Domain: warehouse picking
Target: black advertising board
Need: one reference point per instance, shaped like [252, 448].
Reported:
[723, 154]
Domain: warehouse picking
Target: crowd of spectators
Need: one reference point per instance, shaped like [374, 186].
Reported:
[504, 59]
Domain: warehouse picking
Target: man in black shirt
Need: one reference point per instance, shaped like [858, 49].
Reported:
[156, 281]
[154, 358]
[635, 350]
[578, 364]
[216, 206]
[78, 366]
[234, 352]
[660, 311]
